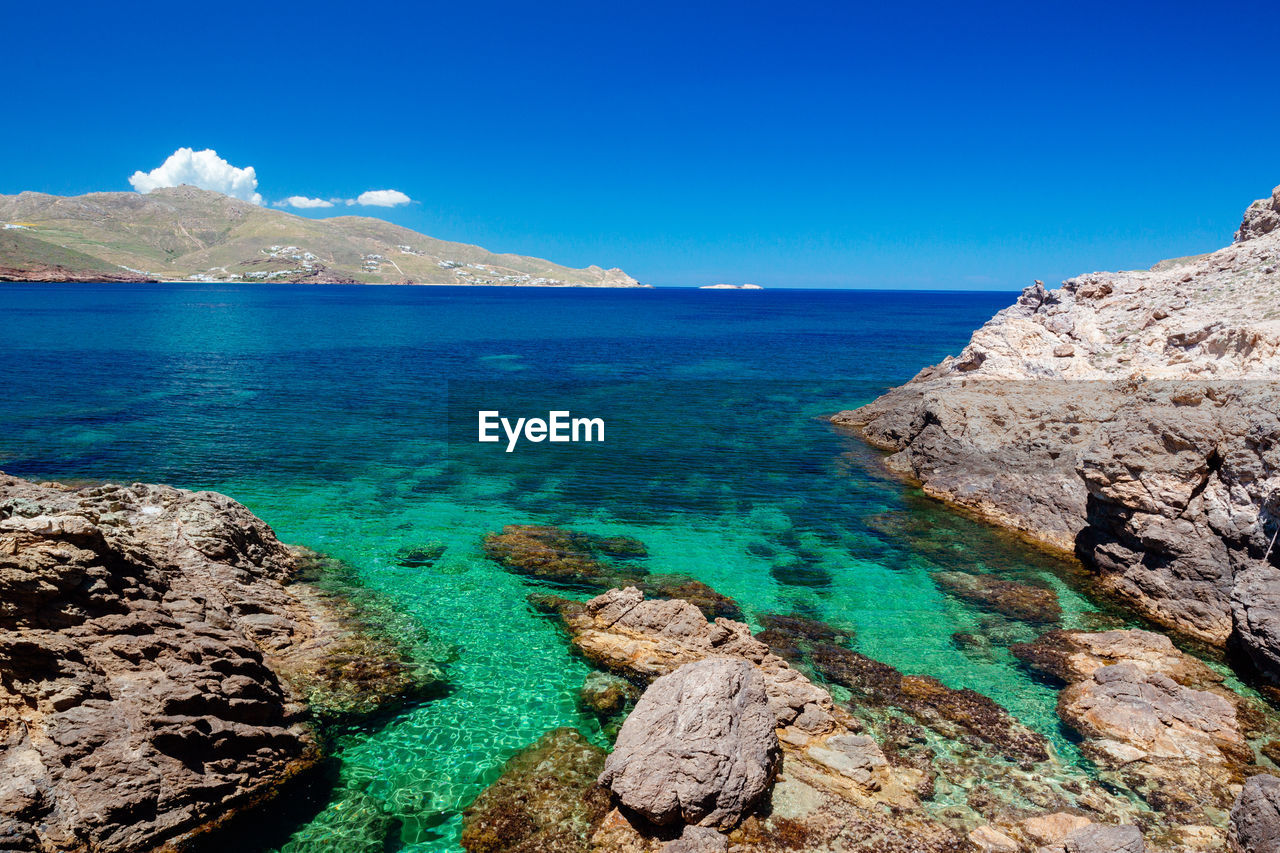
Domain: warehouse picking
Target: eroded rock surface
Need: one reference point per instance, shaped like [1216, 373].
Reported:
[699, 748]
[1032, 604]
[155, 665]
[1255, 817]
[1154, 719]
[1131, 419]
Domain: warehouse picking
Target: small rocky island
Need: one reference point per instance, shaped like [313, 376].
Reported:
[163, 667]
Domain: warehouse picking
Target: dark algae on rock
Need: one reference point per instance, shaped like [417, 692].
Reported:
[161, 668]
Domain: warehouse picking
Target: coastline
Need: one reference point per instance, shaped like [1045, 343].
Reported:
[1141, 450]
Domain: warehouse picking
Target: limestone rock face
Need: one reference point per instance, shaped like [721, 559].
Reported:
[147, 644]
[1255, 818]
[700, 746]
[1130, 419]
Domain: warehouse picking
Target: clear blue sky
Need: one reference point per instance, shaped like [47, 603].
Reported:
[935, 145]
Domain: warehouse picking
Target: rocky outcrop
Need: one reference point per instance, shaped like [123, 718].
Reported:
[1129, 419]
[1255, 817]
[1262, 217]
[1153, 719]
[626, 633]
[699, 748]
[157, 664]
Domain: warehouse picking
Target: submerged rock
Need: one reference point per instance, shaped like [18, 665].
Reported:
[957, 714]
[578, 560]
[712, 604]
[156, 664]
[606, 694]
[1015, 600]
[416, 556]
[552, 553]
[546, 801]
[699, 747]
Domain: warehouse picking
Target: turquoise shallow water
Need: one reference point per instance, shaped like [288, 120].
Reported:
[345, 417]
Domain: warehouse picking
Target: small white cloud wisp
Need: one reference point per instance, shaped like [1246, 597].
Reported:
[302, 202]
[203, 169]
[380, 198]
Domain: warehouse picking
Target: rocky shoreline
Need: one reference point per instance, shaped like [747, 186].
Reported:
[733, 747]
[1129, 419]
[789, 740]
[163, 668]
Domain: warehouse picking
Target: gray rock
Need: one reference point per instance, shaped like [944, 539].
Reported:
[1255, 608]
[700, 746]
[1255, 817]
[698, 839]
[1096, 838]
[1152, 718]
[855, 757]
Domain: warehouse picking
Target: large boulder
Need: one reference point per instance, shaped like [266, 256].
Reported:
[1255, 818]
[699, 748]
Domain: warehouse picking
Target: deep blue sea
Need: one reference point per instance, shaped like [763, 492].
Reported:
[346, 418]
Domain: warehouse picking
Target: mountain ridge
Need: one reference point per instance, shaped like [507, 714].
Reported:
[188, 234]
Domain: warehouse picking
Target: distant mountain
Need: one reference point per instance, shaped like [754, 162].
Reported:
[184, 233]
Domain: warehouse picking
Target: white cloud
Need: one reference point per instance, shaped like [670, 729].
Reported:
[381, 198]
[203, 169]
[301, 201]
